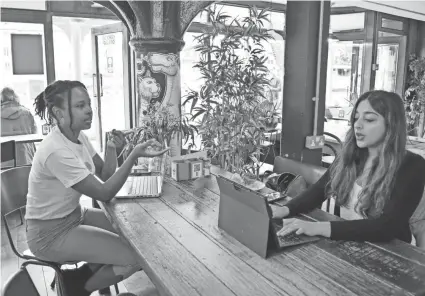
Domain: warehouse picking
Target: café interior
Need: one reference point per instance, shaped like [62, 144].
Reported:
[322, 55]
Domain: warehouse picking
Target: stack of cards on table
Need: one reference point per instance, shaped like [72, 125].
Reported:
[186, 169]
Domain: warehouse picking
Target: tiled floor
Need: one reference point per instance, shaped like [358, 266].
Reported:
[139, 283]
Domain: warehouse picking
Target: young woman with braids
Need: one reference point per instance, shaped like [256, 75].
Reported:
[377, 183]
[64, 168]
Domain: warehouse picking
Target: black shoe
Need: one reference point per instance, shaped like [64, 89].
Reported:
[105, 291]
[53, 283]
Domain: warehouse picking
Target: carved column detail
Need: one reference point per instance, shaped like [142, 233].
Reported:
[157, 29]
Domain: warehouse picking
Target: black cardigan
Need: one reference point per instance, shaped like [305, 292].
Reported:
[394, 221]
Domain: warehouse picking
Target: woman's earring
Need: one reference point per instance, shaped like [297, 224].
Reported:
[62, 121]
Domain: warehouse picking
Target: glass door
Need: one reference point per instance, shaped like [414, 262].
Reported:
[111, 83]
[389, 64]
[390, 55]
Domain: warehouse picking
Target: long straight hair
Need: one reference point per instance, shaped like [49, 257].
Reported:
[350, 162]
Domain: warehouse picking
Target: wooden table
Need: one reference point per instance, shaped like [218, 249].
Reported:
[183, 252]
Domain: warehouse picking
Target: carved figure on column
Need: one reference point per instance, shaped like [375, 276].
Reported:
[157, 29]
[148, 89]
[158, 81]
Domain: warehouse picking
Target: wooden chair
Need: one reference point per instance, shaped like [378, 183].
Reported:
[20, 283]
[8, 155]
[14, 189]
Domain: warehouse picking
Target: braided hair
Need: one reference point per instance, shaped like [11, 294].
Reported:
[52, 96]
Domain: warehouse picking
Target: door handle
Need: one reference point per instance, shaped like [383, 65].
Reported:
[94, 86]
[101, 85]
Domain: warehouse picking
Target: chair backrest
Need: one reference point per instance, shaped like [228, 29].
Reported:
[311, 173]
[416, 222]
[20, 283]
[14, 188]
[8, 155]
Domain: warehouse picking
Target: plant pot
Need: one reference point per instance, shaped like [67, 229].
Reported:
[237, 178]
[215, 161]
[246, 179]
[249, 178]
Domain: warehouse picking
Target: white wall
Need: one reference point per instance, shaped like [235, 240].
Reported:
[21, 4]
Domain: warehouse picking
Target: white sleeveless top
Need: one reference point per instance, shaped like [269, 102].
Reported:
[348, 212]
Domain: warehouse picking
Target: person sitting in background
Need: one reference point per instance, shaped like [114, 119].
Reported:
[377, 183]
[65, 166]
[17, 120]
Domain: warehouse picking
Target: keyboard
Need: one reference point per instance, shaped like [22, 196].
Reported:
[291, 239]
[141, 186]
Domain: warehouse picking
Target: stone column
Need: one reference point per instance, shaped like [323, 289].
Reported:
[157, 29]
[158, 77]
[301, 55]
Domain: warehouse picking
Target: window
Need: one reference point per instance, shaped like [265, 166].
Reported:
[344, 73]
[386, 73]
[277, 21]
[26, 87]
[347, 22]
[391, 24]
[201, 17]
[233, 12]
[190, 76]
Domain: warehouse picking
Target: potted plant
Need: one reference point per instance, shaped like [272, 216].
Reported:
[229, 110]
[415, 96]
[161, 124]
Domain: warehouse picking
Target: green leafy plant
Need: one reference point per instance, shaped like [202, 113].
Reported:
[415, 96]
[161, 124]
[229, 111]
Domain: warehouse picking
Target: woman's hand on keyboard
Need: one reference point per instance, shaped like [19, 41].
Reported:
[149, 148]
[305, 227]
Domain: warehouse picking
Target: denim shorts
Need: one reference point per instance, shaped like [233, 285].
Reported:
[44, 237]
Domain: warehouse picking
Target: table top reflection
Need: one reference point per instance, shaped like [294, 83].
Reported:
[183, 252]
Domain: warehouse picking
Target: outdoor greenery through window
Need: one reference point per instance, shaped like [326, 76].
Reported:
[233, 108]
[273, 50]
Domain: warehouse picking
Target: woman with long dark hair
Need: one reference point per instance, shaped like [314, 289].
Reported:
[65, 166]
[377, 183]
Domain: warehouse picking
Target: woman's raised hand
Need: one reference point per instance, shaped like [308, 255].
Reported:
[149, 149]
[116, 140]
